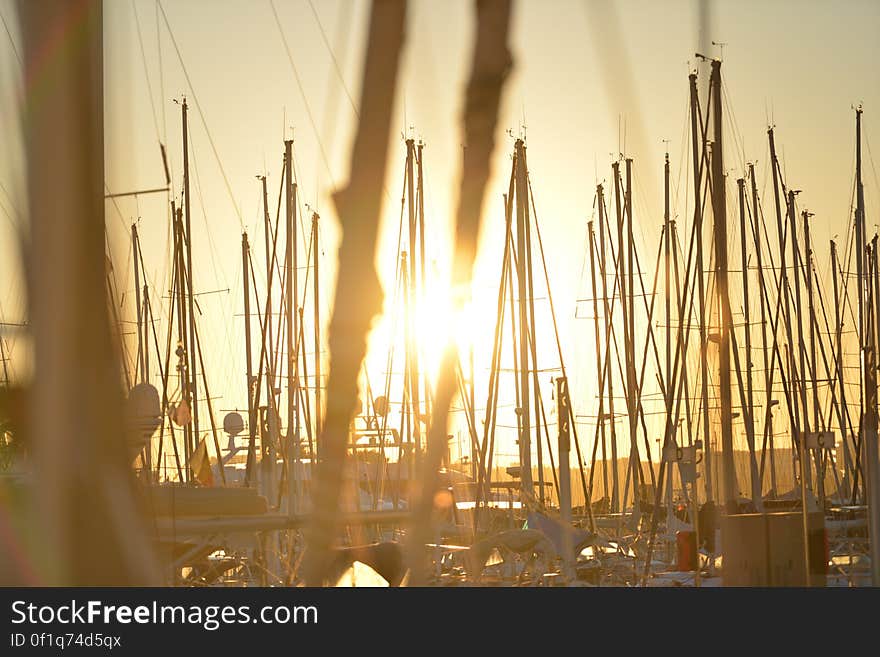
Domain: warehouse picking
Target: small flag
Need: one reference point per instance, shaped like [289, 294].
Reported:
[200, 464]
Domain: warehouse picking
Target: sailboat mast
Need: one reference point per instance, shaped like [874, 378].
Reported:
[137, 291]
[801, 380]
[794, 411]
[270, 256]
[530, 332]
[600, 418]
[667, 236]
[838, 365]
[765, 352]
[632, 393]
[420, 220]
[189, 284]
[142, 343]
[412, 294]
[252, 416]
[757, 489]
[719, 213]
[183, 346]
[608, 369]
[525, 439]
[698, 147]
[818, 420]
[317, 300]
[861, 245]
[292, 329]
[870, 431]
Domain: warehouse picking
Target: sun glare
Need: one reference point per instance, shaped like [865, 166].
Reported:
[438, 320]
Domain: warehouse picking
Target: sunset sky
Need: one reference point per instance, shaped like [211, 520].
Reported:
[590, 80]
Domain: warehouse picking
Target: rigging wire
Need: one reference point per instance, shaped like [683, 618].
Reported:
[335, 62]
[137, 21]
[11, 40]
[302, 92]
[201, 114]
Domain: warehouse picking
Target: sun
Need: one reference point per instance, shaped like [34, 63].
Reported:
[436, 322]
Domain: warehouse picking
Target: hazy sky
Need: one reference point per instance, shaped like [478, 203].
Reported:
[590, 80]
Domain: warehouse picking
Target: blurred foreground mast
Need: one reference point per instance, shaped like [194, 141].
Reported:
[490, 66]
[85, 497]
[358, 296]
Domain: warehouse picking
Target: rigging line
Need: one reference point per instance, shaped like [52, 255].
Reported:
[734, 126]
[12, 221]
[684, 141]
[584, 252]
[137, 21]
[301, 220]
[11, 40]
[162, 310]
[303, 94]
[301, 216]
[118, 211]
[871, 157]
[9, 200]
[201, 115]
[213, 246]
[162, 82]
[335, 62]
